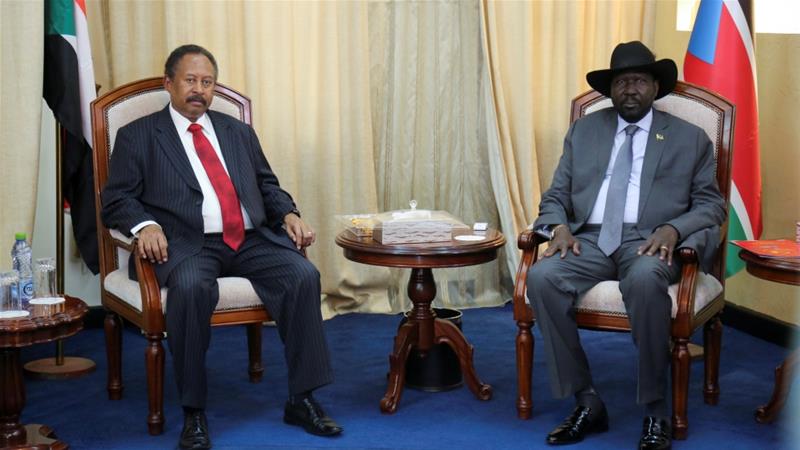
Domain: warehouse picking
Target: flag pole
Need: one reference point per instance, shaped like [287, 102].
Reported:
[59, 234]
[59, 367]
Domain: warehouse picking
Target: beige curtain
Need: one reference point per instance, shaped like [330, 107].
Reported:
[430, 142]
[21, 50]
[538, 53]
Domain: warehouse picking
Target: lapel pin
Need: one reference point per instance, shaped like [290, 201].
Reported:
[659, 137]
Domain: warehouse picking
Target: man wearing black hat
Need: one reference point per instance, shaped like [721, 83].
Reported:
[632, 185]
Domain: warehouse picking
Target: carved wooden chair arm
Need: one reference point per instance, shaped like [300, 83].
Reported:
[152, 312]
[682, 324]
[528, 242]
[122, 241]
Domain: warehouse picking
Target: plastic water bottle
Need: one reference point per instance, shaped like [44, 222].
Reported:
[21, 261]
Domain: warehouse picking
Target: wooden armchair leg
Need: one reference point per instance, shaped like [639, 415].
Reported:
[712, 340]
[154, 366]
[113, 332]
[524, 369]
[680, 388]
[255, 369]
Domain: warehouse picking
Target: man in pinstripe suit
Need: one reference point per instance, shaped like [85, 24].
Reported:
[195, 188]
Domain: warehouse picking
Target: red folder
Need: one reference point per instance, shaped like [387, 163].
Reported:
[771, 248]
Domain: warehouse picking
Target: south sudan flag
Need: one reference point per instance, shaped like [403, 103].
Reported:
[722, 58]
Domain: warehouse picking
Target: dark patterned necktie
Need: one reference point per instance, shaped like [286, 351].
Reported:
[232, 221]
[611, 229]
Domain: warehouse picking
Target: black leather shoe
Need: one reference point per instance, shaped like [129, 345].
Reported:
[308, 414]
[656, 434]
[195, 431]
[580, 423]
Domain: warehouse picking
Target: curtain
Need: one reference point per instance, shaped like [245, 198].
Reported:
[21, 50]
[430, 144]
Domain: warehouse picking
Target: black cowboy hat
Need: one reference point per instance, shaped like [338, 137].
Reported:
[634, 56]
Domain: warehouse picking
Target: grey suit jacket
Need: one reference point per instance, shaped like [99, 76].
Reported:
[150, 178]
[678, 182]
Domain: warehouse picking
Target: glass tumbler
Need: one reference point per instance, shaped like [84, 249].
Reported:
[44, 277]
[9, 300]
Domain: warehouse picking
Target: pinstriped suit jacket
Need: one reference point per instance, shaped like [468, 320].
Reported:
[150, 178]
[678, 184]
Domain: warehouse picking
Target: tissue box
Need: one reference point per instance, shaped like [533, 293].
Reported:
[411, 232]
[414, 226]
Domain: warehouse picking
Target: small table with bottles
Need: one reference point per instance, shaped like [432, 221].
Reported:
[45, 323]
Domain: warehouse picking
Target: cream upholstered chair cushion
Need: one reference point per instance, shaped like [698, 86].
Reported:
[605, 296]
[234, 292]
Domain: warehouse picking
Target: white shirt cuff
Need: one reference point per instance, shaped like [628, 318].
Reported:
[138, 227]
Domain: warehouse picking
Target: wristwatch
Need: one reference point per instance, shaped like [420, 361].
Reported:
[544, 231]
[547, 231]
[295, 211]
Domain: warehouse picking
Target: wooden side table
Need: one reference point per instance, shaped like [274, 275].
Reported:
[423, 329]
[779, 270]
[37, 328]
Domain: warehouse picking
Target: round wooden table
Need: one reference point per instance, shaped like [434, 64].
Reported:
[786, 271]
[41, 326]
[423, 329]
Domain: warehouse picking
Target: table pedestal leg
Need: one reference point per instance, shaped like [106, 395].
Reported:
[422, 331]
[11, 431]
[403, 342]
[449, 334]
[14, 435]
[783, 381]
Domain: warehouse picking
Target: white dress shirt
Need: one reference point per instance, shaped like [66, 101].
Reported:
[632, 198]
[212, 214]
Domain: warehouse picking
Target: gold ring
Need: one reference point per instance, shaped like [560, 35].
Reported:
[664, 247]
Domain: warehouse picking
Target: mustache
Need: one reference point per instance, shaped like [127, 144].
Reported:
[196, 98]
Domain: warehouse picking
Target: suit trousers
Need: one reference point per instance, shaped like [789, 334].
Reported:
[285, 281]
[554, 285]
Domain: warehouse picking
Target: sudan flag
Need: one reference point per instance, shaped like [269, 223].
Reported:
[69, 89]
[721, 58]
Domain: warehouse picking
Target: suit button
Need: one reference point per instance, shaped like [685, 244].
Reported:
[198, 202]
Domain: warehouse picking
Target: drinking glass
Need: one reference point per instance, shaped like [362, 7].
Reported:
[10, 305]
[44, 277]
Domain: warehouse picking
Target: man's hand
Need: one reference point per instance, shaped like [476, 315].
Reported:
[663, 242]
[562, 241]
[152, 244]
[301, 234]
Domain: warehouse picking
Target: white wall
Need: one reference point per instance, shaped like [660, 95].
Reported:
[78, 279]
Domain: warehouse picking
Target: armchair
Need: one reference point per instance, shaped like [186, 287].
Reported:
[697, 299]
[143, 303]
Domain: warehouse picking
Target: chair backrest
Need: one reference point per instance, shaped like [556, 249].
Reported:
[119, 107]
[697, 105]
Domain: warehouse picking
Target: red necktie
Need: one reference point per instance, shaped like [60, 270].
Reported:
[232, 222]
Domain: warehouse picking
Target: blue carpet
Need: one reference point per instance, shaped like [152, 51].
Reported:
[244, 415]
